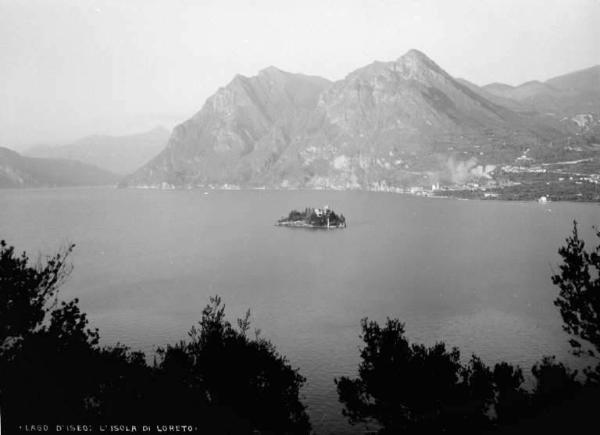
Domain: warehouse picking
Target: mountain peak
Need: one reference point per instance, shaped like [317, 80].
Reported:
[417, 57]
[238, 78]
[416, 54]
[270, 71]
[415, 62]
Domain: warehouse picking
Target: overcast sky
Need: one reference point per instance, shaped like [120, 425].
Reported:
[70, 68]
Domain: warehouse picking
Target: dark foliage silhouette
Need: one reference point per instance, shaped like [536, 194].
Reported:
[44, 343]
[558, 402]
[242, 378]
[52, 369]
[27, 292]
[411, 388]
[579, 297]
[512, 401]
[555, 382]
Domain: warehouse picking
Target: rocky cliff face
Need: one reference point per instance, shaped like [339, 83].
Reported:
[239, 133]
[399, 123]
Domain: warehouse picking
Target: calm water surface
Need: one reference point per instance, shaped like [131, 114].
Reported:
[474, 274]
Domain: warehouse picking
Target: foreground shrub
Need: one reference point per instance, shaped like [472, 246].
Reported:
[410, 388]
[52, 369]
[579, 298]
[221, 368]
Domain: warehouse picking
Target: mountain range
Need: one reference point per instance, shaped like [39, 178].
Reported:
[19, 171]
[399, 125]
[568, 94]
[389, 124]
[119, 154]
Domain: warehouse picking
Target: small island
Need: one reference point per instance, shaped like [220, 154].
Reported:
[313, 218]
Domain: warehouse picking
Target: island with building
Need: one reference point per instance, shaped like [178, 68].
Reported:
[313, 218]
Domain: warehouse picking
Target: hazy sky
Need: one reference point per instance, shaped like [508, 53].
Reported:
[70, 68]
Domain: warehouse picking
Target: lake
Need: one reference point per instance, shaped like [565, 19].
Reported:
[475, 274]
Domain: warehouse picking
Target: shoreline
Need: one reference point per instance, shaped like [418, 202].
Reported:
[423, 194]
[301, 224]
[207, 190]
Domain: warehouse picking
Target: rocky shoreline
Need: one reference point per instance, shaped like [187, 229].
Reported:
[322, 218]
[301, 224]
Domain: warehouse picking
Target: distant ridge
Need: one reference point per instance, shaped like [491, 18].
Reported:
[566, 95]
[19, 171]
[118, 154]
[587, 80]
